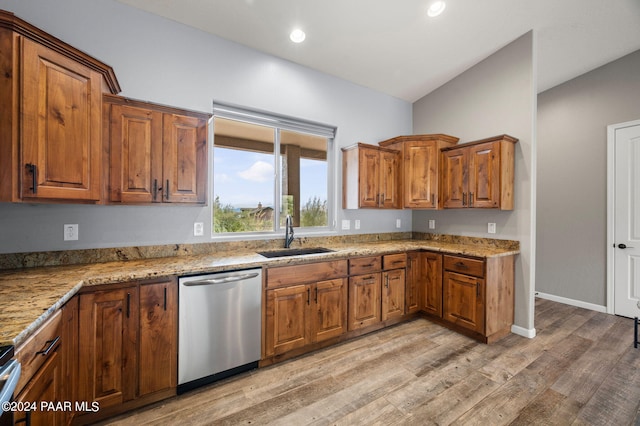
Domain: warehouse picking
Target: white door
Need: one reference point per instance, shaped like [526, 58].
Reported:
[625, 246]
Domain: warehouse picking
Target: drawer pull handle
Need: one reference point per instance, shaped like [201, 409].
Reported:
[461, 265]
[51, 344]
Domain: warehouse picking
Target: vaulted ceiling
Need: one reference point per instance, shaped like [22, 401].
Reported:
[394, 48]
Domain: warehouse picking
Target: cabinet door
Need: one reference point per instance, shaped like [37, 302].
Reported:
[135, 165]
[364, 300]
[454, 178]
[330, 316]
[464, 301]
[107, 356]
[61, 126]
[185, 159]
[393, 295]
[45, 386]
[389, 179]
[414, 282]
[432, 299]
[287, 319]
[484, 175]
[369, 179]
[420, 182]
[158, 337]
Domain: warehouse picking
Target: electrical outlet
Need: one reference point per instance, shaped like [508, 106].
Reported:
[491, 228]
[356, 224]
[398, 223]
[346, 224]
[71, 232]
[432, 224]
[198, 229]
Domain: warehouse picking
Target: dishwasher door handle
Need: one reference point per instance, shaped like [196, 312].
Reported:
[225, 280]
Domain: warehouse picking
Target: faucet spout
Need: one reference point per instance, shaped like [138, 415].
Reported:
[288, 233]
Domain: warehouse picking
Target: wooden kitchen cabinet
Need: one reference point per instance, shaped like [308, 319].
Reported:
[393, 294]
[432, 288]
[420, 156]
[128, 346]
[414, 282]
[305, 305]
[42, 378]
[157, 154]
[364, 300]
[478, 295]
[479, 174]
[371, 177]
[50, 140]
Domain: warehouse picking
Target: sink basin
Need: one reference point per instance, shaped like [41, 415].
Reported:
[294, 252]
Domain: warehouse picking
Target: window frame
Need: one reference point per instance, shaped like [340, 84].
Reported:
[277, 123]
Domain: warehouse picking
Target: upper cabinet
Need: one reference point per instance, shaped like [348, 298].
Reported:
[371, 177]
[479, 174]
[50, 109]
[156, 153]
[420, 158]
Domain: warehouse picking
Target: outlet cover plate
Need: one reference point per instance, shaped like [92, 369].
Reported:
[432, 224]
[491, 228]
[71, 232]
[198, 229]
[346, 224]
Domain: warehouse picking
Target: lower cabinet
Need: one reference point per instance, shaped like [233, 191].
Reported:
[42, 378]
[305, 304]
[303, 314]
[473, 296]
[414, 282]
[376, 289]
[127, 346]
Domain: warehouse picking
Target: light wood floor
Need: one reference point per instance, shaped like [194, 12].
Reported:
[581, 369]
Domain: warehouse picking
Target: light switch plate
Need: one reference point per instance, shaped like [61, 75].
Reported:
[491, 228]
[346, 224]
[432, 224]
[356, 224]
[198, 229]
[398, 223]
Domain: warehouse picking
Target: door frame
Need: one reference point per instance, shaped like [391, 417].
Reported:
[611, 134]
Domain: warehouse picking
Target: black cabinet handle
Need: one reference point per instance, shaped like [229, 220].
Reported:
[166, 190]
[33, 169]
[165, 298]
[308, 296]
[316, 295]
[51, 345]
[155, 189]
[471, 199]
[128, 304]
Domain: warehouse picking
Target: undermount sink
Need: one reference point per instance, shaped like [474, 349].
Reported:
[294, 252]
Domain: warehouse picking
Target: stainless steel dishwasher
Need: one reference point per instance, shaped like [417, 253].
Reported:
[219, 326]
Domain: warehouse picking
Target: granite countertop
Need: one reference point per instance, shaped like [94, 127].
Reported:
[28, 297]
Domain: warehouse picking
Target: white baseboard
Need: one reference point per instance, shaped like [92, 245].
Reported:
[524, 332]
[572, 302]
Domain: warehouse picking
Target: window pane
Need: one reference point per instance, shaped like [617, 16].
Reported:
[243, 181]
[304, 179]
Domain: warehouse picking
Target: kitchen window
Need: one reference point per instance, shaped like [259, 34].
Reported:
[266, 167]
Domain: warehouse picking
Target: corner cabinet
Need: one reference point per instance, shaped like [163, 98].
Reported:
[419, 168]
[157, 154]
[479, 174]
[51, 93]
[371, 177]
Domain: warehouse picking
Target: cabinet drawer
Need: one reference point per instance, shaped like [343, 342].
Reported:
[394, 261]
[464, 265]
[39, 348]
[364, 265]
[305, 273]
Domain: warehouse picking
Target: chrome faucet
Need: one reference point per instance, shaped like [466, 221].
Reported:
[288, 231]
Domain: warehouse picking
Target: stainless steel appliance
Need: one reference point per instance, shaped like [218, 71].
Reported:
[220, 326]
[9, 376]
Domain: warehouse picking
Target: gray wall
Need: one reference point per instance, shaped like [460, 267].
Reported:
[159, 60]
[494, 97]
[572, 177]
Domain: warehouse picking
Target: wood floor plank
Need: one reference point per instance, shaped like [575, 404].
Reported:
[581, 369]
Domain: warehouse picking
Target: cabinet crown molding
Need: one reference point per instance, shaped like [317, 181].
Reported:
[11, 22]
[498, 138]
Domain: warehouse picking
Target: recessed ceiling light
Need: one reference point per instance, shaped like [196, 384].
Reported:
[297, 35]
[436, 8]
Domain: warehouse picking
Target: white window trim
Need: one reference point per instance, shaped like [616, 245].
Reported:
[280, 122]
